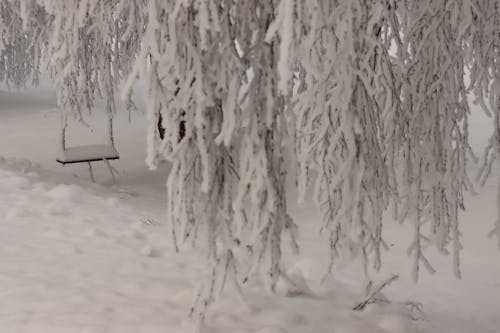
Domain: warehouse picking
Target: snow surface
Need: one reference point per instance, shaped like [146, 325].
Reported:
[82, 257]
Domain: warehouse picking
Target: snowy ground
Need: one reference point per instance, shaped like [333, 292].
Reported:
[83, 257]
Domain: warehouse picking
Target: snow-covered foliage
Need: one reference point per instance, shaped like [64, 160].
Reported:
[23, 33]
[346, 88]
[433, 125]
[85, 46]
[371, 94]
[483, 51]
[84, 51]
[226, 189]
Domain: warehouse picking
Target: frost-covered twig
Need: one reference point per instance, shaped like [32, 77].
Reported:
[372, 293]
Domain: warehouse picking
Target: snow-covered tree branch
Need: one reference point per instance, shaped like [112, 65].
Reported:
[24, 33]
[372, 95]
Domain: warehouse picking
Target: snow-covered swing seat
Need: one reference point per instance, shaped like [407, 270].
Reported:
[89, 153]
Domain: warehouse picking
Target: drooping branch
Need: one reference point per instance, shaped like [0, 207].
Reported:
[340, 130]
[434, 133]
[23, 25]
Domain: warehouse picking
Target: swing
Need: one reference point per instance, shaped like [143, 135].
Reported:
[89, 153]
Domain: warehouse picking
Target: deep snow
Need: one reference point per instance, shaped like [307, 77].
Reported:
[82, 257]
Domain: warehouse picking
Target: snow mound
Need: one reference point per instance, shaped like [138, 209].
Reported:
[65, 192]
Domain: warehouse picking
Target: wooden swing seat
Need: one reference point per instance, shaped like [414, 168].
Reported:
[88, 153]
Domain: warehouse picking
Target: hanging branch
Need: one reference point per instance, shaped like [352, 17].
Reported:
[23, 30]
[340, 130]
[371, 93]
[434, 133]
[86, 51]
[226, 188]
[484, 51]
